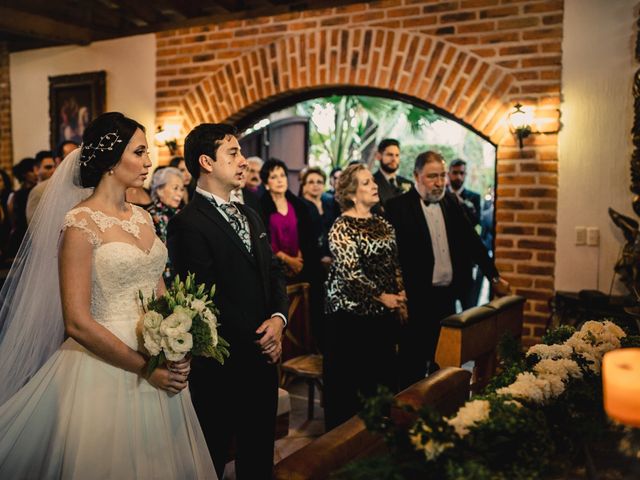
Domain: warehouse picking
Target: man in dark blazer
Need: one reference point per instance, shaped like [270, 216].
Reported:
[468, 199]
[436, 246]
[470, 204]
[225, 244]
[390, 184]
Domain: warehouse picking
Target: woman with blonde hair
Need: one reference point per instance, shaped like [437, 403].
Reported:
[365, 299]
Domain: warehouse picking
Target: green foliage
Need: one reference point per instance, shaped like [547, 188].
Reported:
[558, 335]
[516, 440]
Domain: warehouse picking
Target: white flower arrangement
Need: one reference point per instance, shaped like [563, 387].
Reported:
[547, 381]
[182, 321]
[472, 413]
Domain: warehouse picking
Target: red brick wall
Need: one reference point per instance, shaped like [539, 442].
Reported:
[472, 58]
[6, 148]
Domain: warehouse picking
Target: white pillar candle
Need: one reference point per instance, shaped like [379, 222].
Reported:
[621, 384]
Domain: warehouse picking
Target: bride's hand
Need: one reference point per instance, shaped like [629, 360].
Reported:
[183, 366]
[165, 379]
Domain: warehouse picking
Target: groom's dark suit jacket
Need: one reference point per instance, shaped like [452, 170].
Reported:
[239, 399]
[249, 287]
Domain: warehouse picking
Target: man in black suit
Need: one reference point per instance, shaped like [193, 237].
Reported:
[225, 244]
[436, 246]
[470, 203]
[390, 184]
[469, 200]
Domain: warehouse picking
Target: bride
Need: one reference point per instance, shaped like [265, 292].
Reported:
[85, 408]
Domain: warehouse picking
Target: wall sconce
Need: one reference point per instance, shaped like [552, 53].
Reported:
[168, 136]
[520, 122]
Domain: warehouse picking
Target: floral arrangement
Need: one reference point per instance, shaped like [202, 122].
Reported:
[532, 420]
[182, 321]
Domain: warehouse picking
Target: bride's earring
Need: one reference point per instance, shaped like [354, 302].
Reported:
[110, 172]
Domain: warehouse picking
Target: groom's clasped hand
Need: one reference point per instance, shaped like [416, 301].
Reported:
[270, 338]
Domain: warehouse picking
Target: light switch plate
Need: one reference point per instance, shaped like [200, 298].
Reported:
[593, 236]
[581, 235]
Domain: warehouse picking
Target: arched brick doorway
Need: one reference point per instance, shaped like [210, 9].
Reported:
[471, 89]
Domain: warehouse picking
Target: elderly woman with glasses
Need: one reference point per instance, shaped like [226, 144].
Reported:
[167, 191]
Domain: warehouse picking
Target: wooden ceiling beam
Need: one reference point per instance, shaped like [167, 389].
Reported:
[36, 26]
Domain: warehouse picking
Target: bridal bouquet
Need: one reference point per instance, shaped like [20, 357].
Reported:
[182, 321]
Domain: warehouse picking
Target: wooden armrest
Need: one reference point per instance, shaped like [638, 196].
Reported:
[468, 317]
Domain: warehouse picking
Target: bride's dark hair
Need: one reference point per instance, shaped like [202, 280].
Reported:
[103, 143]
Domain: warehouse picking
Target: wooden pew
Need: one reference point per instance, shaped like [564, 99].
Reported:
[475, 333]
[446, 390]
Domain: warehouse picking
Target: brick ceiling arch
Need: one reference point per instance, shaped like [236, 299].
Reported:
[418, 65]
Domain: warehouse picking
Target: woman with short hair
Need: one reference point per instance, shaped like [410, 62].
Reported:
[365, 299]
[167, 192]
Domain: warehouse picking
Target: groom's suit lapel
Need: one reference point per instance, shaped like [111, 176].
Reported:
[216, 217]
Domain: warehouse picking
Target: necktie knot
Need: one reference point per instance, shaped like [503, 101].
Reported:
[237, 220]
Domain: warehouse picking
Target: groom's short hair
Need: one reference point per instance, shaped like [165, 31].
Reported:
[204, 140]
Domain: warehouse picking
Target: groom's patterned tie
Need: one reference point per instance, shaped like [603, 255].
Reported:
[237, 221]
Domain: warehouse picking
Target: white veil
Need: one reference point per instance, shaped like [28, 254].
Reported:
[31, 326]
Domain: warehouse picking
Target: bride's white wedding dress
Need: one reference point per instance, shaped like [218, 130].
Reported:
[80, 417]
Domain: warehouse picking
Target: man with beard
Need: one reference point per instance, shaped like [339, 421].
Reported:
[470, 203]
[437, 246]
[469, 200]
[390, 184]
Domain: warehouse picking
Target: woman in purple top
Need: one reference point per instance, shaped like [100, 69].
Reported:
[288, 223]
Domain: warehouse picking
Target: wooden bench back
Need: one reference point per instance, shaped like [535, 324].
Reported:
[446, 390]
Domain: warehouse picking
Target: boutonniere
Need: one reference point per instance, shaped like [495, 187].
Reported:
[262, 235]
[405, 187]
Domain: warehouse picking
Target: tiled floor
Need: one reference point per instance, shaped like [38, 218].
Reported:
[301, 430]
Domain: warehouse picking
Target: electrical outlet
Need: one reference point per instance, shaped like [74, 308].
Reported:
[581, 235]
[593, 236]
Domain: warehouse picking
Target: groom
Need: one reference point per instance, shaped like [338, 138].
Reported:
[225, 244]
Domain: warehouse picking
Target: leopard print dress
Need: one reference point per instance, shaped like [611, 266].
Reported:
[365, 265]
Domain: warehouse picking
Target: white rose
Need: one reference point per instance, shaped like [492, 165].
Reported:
[198, 305]
[210, 319]
[152, 320]
[183, 343]
[175, 349]
[189, 312]
[152, 342]
[175, 324]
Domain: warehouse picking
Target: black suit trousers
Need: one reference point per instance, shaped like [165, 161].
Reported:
[419, 337]
[237, 402]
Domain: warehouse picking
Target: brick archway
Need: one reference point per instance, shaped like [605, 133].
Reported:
[410, 63]
[207, 74]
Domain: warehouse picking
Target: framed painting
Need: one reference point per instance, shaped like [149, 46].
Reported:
[74, 100]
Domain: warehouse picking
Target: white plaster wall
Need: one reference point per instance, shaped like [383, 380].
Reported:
[594, 143]
[131, 82]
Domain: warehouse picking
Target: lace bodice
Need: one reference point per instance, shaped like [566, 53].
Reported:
[127, 258]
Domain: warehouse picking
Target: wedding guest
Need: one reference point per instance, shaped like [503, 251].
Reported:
[27, 174]
[188, 182]
[254, 183]
[365, 299]
[167, 189]
[321, 208]
[5, 224]
[288, 223]
[64, 149]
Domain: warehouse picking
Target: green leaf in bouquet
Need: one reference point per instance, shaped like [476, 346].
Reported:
[212, 292]
[176, 283]
[188, 282]
[200, 290]
[155, 362]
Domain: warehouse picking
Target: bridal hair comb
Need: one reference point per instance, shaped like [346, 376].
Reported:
[106, 143]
